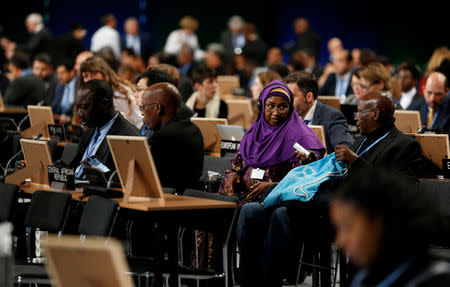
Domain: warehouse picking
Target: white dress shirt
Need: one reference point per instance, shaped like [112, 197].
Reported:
[106, 36]
[177, 38]
[133, 42]
[310, 115]
[407, 98]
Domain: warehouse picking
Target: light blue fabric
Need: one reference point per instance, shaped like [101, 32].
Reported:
[302, 183]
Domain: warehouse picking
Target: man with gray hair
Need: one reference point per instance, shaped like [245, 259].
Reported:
[233, 39]
[40, 40]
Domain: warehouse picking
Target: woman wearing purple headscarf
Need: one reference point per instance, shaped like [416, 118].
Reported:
[266, 153]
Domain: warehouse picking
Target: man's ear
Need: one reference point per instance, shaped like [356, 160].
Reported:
[309, 97]
[160, 109]
[377, 115]
[196, 86]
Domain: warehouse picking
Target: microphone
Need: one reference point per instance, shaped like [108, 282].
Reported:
[108, 186]
[27, 116]
[5, 171]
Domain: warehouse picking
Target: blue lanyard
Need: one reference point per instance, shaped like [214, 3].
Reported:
[100, 138]
[369, 147]
[391, 278]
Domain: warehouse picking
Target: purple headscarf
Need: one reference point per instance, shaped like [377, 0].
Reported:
[264, 145]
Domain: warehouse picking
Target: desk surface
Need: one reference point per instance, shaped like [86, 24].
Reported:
[171, 201]
[13, 110]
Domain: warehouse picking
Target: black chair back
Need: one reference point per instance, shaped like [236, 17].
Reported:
[8, 200]
[98, 216]
[48, 210]
[217, 164]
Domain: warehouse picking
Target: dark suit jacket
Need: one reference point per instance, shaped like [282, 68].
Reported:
[329, 88]
[24, 91]
[120, 127]
[397, 151]
[58, 96]
[309, 40]
[442, 122]
[41, 42]
[334, 124]
[50, 86]
[417, 97]
[66, 46]
[177, 149]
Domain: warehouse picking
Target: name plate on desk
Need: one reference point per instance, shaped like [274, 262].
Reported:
[446, 167]
[56, 132]
[63, 177]
[227, 146]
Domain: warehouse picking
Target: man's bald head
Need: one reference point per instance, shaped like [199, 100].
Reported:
[160, 103]
[374, 111]
[435, 89]
[383, 102]
[166, 94]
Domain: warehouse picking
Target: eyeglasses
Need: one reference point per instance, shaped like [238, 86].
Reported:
[280, 109]
[142, 108]
[363, 112]
[364, 87]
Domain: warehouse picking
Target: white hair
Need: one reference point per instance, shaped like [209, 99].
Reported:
[35, 18]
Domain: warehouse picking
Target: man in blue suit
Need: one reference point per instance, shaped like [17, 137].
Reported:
[140, 42]
[435, 107]
[305, 88]
[339, 83]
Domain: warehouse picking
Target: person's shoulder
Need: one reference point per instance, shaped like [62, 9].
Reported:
[124, 127]
[399, 136]
[30, 79]
[417, 105]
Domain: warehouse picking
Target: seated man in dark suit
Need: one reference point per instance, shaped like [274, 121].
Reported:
[305, 89]
[435, 107]
[268, 238]
[25, 89]
[94, 105]
[64, 97]
[177, 143]
[338, 84]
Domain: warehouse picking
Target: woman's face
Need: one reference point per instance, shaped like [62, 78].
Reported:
[208, 88]
[357, 234]
[276, 110]
[368, 86]
[356, 86]
[256, 88]
[87, 76]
